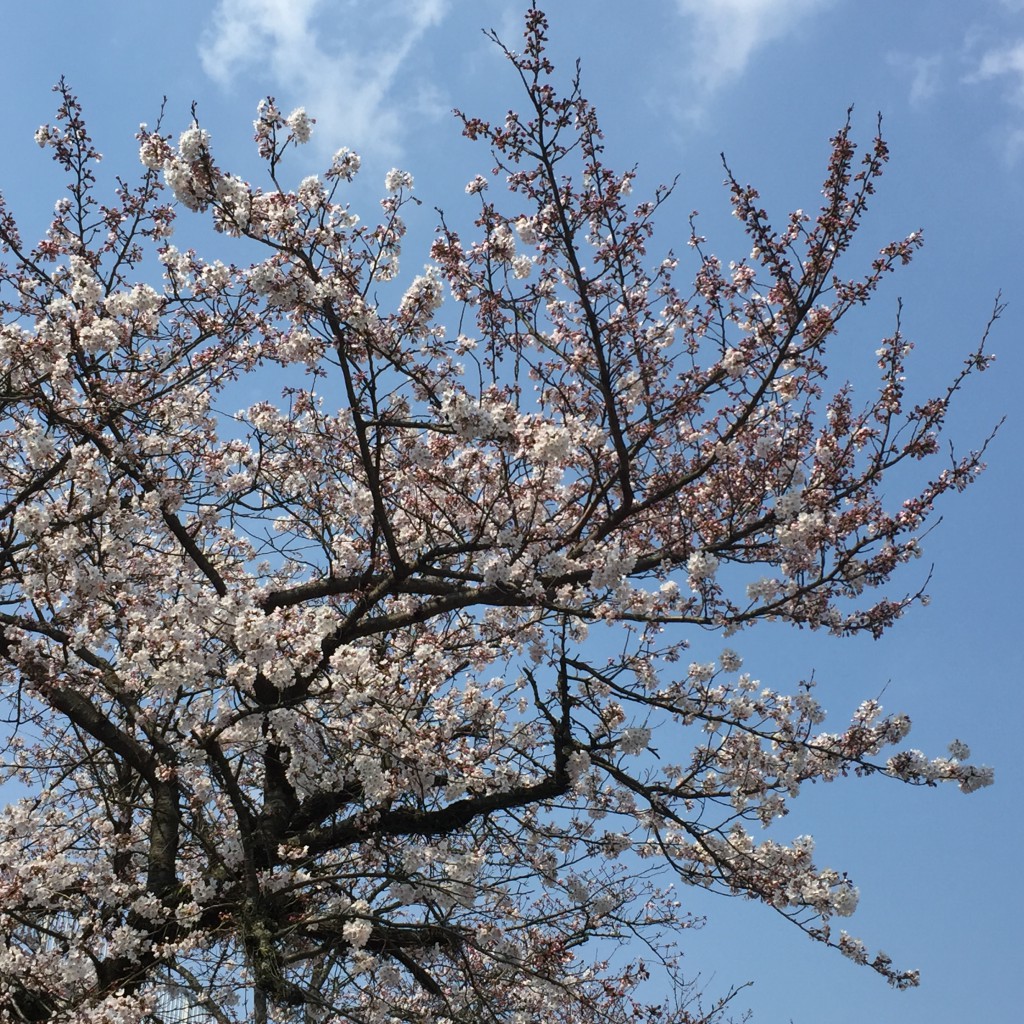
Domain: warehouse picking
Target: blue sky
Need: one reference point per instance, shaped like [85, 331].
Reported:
[677, 82]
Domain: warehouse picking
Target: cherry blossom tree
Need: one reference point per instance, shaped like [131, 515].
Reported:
[372, 701]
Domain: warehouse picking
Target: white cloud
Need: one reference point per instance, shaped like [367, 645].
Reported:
[925, 74]
[1005, 65]
[925, 83]
[340, 60]
[724, 35]
[1002, 63]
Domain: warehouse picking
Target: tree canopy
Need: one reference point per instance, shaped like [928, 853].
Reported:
[372, 701]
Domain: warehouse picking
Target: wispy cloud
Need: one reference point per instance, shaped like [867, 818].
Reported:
[1005, 65]
[725, 35]
[925, 73]
[307, 50]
